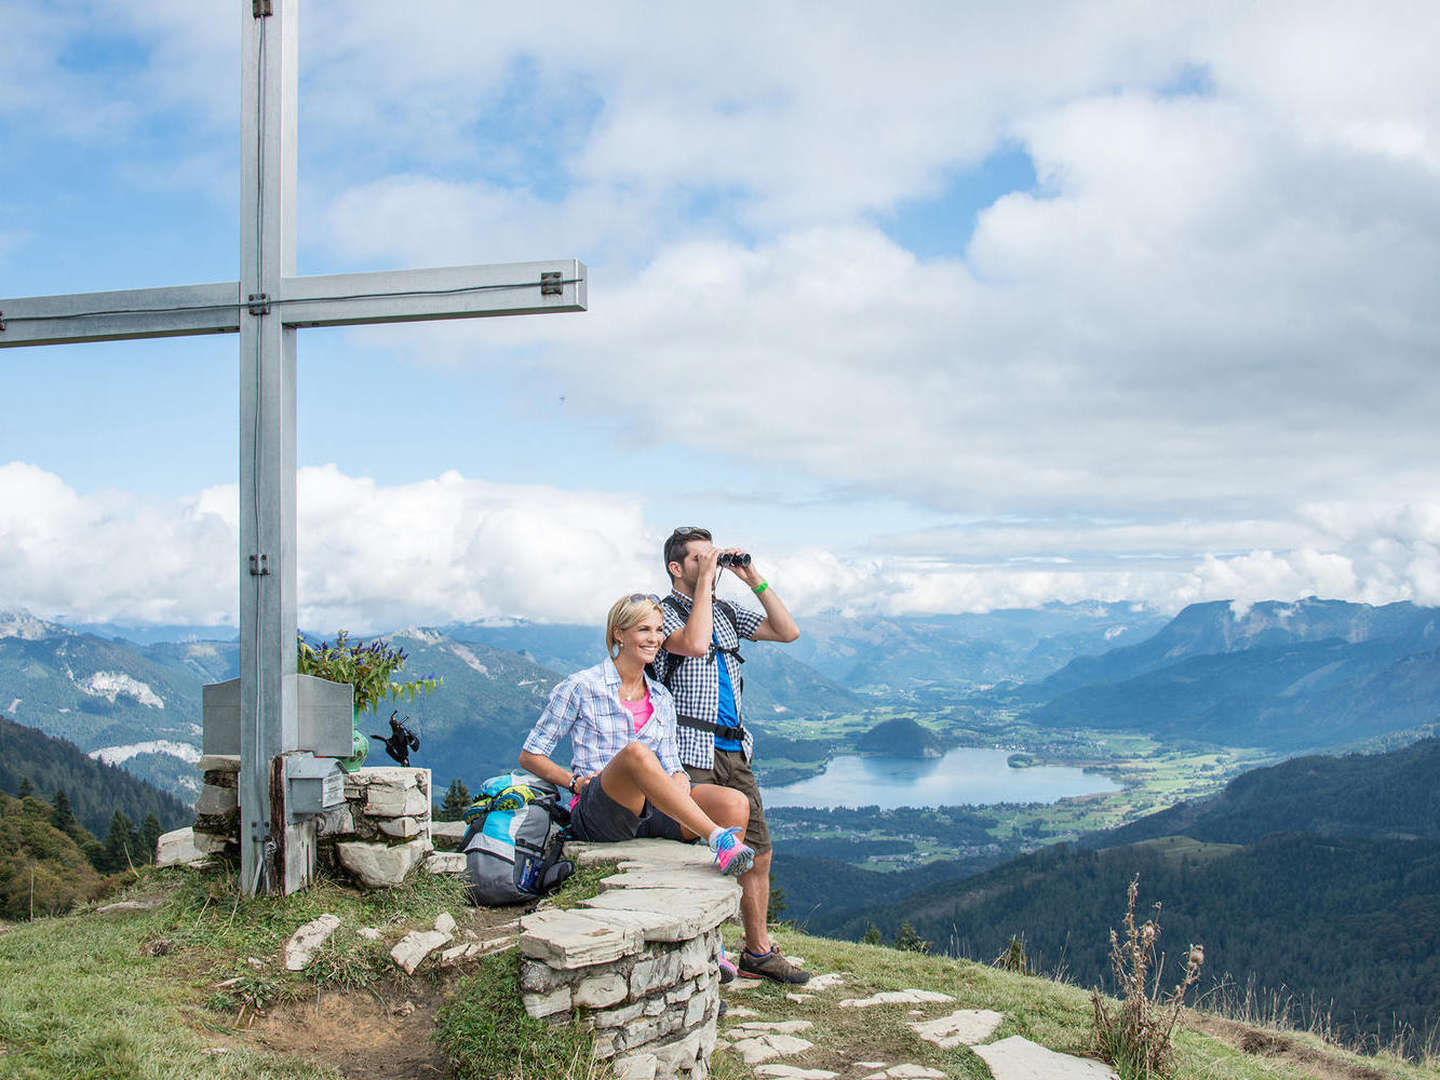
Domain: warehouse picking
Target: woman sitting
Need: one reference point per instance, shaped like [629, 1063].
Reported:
[626, 774]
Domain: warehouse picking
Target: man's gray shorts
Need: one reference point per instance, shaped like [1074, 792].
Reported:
[597, 818]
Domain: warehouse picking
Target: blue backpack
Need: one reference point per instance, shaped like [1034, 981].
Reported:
[518, 828]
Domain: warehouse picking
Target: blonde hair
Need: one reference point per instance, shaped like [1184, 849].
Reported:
[625, 613]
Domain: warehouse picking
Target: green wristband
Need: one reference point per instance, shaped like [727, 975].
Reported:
[758, 589]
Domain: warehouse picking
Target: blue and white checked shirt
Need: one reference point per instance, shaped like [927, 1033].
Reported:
[586, 706]
[695, 681]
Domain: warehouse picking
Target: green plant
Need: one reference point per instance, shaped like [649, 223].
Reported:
[1138, 1037]
[368, 668]
[487, 1035]
[1013, 957]
[907, 940]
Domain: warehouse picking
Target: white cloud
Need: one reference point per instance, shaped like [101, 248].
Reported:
[378, 557]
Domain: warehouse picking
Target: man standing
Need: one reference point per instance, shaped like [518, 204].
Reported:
[700, 663]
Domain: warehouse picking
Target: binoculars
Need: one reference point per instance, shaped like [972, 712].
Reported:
[729, 559]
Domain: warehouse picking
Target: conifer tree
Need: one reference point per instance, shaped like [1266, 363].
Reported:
[122, 844]
[150, 830]
[26, 789]
[63, 817]
[457, 798]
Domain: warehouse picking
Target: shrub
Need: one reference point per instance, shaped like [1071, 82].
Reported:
[1138, 1036]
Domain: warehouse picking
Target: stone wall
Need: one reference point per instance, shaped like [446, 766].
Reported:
[379, 835]
[637, 963]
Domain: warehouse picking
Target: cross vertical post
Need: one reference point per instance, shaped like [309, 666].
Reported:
[267, 306]
[268, 578]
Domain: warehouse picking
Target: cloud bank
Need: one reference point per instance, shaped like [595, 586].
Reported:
[378, 557]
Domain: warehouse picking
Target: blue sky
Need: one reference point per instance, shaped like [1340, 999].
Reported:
[954, 310]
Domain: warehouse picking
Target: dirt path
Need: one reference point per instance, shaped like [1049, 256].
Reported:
[1284, 1047]
[360, 1034]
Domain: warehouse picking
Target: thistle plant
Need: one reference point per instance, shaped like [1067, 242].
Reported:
[1138, 1036]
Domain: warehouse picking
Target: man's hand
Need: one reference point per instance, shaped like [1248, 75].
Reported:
[748, 574]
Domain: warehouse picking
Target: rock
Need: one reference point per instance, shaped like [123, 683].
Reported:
[1017, 1058]
[798, 998]
[635, 1067]
[965, 1027]
[644, 854]
[337, 821]
[445, 923]
[379, 867]
[598, 991]
[300, 950]
[785, 1027]
[208, 843]
[872, 1064]
[654, 973]
[651, 925]
[177, 848]
[215, 800]
[415, 946]
[698, 912]
[569, 939]
[129, 905]
[229, 763]
[765, 1047]
[824, 982]
[445, 862]
[741, 1010]
[792, 1072]
[703, 879]
[401, 828]
[255, 962]
[542, 1005]
[446, 835]
[907, 1072]
[369, 933]
[895, 997]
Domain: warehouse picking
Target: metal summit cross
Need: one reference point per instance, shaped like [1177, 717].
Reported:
[266, 307]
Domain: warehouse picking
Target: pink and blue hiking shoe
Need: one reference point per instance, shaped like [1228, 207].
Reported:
[732, 855]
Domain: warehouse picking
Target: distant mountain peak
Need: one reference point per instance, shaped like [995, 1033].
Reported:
[19, 623]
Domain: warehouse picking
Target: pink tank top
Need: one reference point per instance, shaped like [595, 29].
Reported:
[640, 710]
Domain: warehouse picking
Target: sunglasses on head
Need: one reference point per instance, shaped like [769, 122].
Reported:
[636, 597]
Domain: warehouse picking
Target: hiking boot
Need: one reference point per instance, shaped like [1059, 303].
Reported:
[727, 970]
[771, 965]
[732, 856]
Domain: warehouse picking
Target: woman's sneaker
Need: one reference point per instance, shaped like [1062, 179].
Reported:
[732, 856]
[771, 965]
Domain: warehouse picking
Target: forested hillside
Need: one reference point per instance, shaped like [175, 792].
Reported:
[95, 790]
[1318, 879]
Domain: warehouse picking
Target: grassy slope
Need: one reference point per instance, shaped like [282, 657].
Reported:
[134, 995]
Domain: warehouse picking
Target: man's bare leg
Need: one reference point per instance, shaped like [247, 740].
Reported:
[755, 903]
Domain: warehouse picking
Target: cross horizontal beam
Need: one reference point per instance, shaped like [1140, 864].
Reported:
[456, 292]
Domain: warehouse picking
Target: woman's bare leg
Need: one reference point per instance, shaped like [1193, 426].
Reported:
[635, 774]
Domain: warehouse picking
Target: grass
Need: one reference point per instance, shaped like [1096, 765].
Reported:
[135, 996]
[1053, 1014]
[487, 1035]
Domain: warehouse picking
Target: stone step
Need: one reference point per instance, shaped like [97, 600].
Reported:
[1017, 1058]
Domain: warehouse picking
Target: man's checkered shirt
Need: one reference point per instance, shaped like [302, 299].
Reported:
[586, 706]
[695, 681]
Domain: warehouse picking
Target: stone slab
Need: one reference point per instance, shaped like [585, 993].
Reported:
[700, 912]
[1017, 1058]
[784, 1027]
[964, 1027]
[300, 950]
[702, 878]
[645, 853]
[825, 982]
[776, 1071]
[445, 862]
[907, 1072]
[895, 997]
[215, 800]
[564, 939]
[765, 1047]
[177, 848]
[448, 834]
[651, 925]
[219, 763]
[415, 946]
[377, 866]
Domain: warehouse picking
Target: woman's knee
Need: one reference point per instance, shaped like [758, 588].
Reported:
[635, 755]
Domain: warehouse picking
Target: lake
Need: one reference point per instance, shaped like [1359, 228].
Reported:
[963, 775]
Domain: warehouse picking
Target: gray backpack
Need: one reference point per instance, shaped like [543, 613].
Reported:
[513, 846]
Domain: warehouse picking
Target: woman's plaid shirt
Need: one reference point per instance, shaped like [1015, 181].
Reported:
[586, 706]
